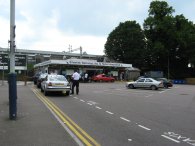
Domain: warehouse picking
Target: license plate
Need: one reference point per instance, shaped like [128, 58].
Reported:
[58, 84]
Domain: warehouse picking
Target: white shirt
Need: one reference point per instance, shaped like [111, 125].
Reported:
[76, 76]
[86, 75]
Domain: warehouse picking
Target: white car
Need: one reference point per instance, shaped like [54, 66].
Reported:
[145, 83]
[53, 83]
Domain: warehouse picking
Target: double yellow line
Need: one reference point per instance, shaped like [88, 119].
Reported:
[79, 132]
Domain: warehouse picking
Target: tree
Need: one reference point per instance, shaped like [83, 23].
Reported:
[159, 30]
[168, 40]
[186, 48]
[126, 43]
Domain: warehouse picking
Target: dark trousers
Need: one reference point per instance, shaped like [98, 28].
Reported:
[75, 83]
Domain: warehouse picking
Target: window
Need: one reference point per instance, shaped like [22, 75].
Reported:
[141, 80]
[148, 80]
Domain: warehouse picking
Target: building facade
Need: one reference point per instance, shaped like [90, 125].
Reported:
[27, 62]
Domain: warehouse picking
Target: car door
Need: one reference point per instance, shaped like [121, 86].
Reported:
[43, 83]
[140, 83]
[148, 83]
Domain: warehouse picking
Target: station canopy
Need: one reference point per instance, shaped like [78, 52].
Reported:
[83, 62]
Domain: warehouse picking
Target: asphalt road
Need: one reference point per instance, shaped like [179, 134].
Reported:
[116, 116]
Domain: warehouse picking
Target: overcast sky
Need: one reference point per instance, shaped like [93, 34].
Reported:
[53, 25]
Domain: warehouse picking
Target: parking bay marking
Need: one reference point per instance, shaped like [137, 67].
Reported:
[178, 138]
[170, 138]
[109, 112]
[125, 119]
[82, 100]
[144, 127]
[98, 107]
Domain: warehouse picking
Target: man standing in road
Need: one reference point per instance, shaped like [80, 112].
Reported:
[86, 77]
[75, 77]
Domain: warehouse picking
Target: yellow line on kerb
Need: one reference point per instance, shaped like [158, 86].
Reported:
[69, 122]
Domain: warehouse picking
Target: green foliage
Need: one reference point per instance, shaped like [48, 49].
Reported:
[125, 43]
[166, 39]
[169, 40]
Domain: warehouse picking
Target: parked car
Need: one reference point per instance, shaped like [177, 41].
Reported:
[167, 83]
[53, 82]
[40, 79]
[103, 78]
[145, 83]
[35, 77]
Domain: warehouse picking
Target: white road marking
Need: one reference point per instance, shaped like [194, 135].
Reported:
[149, 95]
[162, 91]
[109, 112]
[75, 97]
[89, 103]
[144, 127]
[125, 119]
[170, 138]
[129, 139]
[98, 107]
[92, 102]
[82, 100]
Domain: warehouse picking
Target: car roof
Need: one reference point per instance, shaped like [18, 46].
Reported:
[146, 78]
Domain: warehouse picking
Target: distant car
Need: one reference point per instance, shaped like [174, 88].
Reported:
[40, 79]
[55, 83]
[145, 83]
[103, 78]
[167, 83]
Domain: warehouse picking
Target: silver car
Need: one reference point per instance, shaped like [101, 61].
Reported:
[145, 83]
[55, 83]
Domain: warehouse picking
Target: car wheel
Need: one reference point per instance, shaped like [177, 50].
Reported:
[41, 89]
[100, 80]
[154, 87]
[130, 86]
[45, 93]
[67, 93]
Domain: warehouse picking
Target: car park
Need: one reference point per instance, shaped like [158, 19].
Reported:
[103, 78]
[167, 83]
[145, 83]
[55, 83]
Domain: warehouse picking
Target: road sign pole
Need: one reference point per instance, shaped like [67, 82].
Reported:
[12, 75]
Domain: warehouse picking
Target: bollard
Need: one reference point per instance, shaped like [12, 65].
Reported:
[12, 96]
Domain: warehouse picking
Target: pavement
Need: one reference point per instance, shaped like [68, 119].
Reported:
[34, 125]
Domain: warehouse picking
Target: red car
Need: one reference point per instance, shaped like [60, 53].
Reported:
[103, 78]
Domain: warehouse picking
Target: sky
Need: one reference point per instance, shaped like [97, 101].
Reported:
[57, 25]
